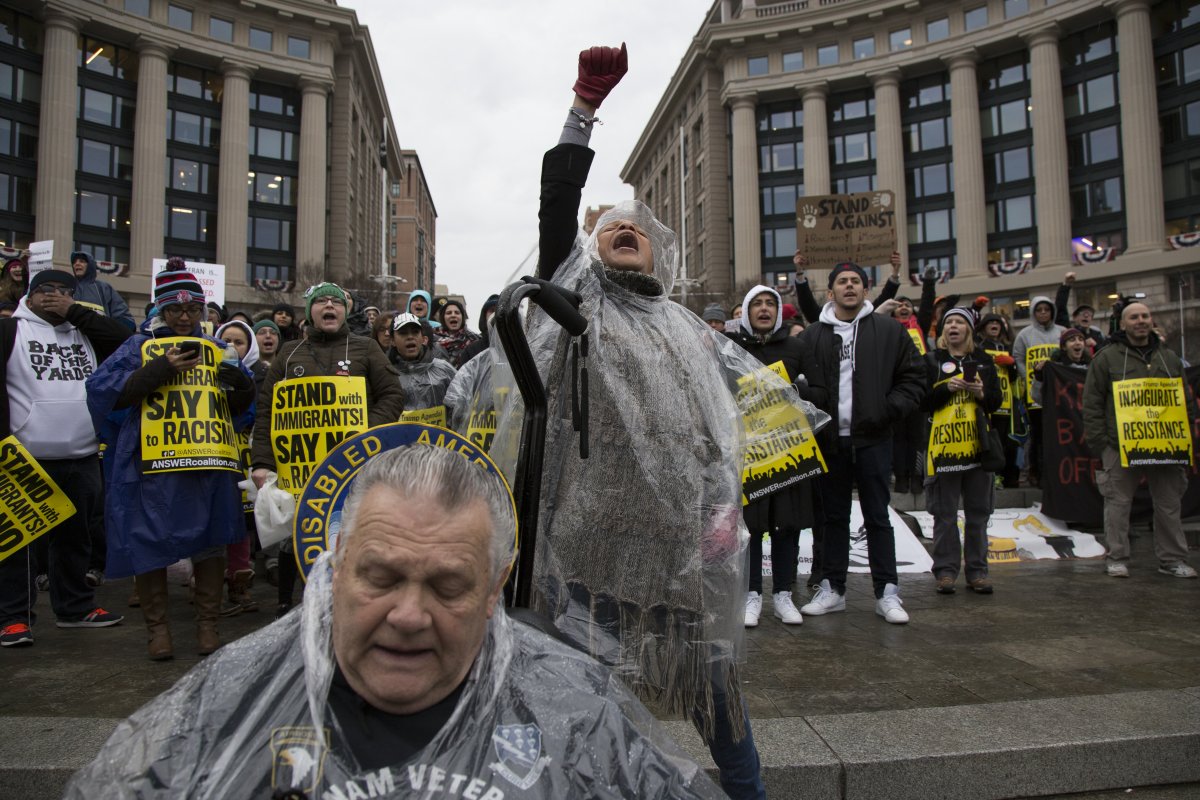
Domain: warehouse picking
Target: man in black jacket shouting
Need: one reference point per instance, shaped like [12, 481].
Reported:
[874, 378]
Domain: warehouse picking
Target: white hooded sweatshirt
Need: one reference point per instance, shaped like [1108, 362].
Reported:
[47, 400]
[848, 331]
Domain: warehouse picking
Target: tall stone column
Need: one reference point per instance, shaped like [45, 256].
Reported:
[967, 149]
[56, 141]
[232, 196]
[311, 201]
[816, 139]
[149, 198]
[1053, 200]
[889, 150]
[747, 252]
[1145, 219]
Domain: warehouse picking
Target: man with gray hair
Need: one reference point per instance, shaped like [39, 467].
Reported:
[402, 675]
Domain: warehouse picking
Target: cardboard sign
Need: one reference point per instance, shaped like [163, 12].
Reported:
[186, 424]
[309, 418]
[954, 436]
[31, 504]
[780, 446]
[1036, 354]
[319, 508]
[1005, 378]
[1152, 422]
[426, 416]
[41, 257]
[210, 276]
[834, 228]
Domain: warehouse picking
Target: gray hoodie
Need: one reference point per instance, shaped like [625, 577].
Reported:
[1034, 335]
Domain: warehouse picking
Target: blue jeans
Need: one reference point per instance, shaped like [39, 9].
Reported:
[737, 761]
[868, 468]
[68, 552]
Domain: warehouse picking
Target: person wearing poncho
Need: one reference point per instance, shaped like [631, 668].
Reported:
[640, 547]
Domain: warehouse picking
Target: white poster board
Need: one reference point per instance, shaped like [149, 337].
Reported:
[210, 276]
[911, 555]
[41, 257]
[1025, 534]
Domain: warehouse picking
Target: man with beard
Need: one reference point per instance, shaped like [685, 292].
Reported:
[875, 379]
[1133, 352]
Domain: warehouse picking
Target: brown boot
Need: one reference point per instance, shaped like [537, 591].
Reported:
[240, 599]
[210, 578]
[151, 589]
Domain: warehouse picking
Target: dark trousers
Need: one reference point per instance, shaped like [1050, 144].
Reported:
[1034, 462]
[908, 442]
[785, 549]
[869, 469]
[976, 488]
[1011, 474]
[737, 762]
[68, 550]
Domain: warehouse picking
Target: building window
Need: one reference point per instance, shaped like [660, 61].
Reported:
[179, 17]
[1095, 198]
[900, 40]
[20, 85]
[261, 39]
[193, 82]
[930, 181]
[827, 55]
[1091, 44]
[395, 192]
[273, 100]
[106, 160]
[100, 210]
[298, 47]
[188, 128]
[793, 62]
[1015, 8]
[220, 29]
[781, 199]
[937, 29]
[1005, 118]
[103, 58]
[782, 157]
[274, 189]
[864, 48]
[139, 7]
[756, 65]
[975, 18]
[269, 234]
[105, 109]
[779, 242]
[853, 147]
[1094, 95]
[190, 224]
[190, 176]
[16, 195]
[930, 134]
[930, 226]
[1010, 214]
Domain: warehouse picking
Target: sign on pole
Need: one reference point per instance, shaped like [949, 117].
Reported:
[858, 227]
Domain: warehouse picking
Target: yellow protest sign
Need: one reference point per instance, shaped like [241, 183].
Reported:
[481, 428]
[918, 339]
[1152, 422]
[243, 440]
[30, 502]
[435, 415]
[1036, 354]
[780, 447]
[1005, 378]
[954, 436]
[186, 424]
[310, 417]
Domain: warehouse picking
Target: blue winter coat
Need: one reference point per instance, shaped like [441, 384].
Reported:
[100, 296]
[152, 521]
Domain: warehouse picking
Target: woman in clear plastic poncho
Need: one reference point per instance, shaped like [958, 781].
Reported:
[640, 546]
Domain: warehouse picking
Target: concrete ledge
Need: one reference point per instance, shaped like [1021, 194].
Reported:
[38, 755]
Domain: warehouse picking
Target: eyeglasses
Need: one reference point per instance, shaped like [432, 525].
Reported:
[54, 288]
[192, 311]
[329, 300]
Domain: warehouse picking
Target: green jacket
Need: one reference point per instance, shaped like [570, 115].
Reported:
[1118, 361]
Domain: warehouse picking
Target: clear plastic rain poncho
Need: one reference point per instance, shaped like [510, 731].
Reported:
[640, 546]
[424, 382]
[535, 719]
[470, 404]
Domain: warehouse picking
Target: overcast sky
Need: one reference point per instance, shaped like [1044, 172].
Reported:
[480, 88]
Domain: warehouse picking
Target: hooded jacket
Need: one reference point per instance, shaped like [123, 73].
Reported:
[100, 296]
[424, 380]
[1117, 361]
[1035, 334]
[886, 377]
[45, 404]
[428, 307]
[251, 362]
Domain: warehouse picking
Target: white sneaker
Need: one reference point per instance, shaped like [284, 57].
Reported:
[753, 609]
[1117, 569]
[826, 600]
[890, 606]
[1176, 570]
[786, 610]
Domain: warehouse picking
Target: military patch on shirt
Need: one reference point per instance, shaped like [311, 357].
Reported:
[298, 757]
[519, 748]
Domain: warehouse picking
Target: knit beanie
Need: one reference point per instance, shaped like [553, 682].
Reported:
[266, 323]
[1068, 333]
[175, 286]
[847, 266]
[713, 313]
[322, 290]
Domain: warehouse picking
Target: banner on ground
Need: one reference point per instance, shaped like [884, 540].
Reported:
[911, 555]
[1024, 534]
[1004, 375]
[858, 227]
[31, 504]
[310, 417]
[1152, 422]
[954, 436]
[781, 449]
[210, 276]
[186, 424]
[1036, 354]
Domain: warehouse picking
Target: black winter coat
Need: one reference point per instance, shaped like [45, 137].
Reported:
[940, 395]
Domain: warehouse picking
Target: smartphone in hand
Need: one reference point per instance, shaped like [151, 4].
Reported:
[191, 348]
[970, 370]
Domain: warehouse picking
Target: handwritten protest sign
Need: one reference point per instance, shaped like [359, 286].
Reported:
[31, 504]
[41, 257]
[834, 228]
[954, 436]
[309, 417]
[186, 424]
[1152, 422]
[780, 447]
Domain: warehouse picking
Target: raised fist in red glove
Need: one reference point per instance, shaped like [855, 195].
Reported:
[600, 69]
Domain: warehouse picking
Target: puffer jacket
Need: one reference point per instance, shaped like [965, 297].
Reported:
[99, 296]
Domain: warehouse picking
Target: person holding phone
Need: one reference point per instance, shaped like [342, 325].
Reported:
[964, 388]
[156, 518]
